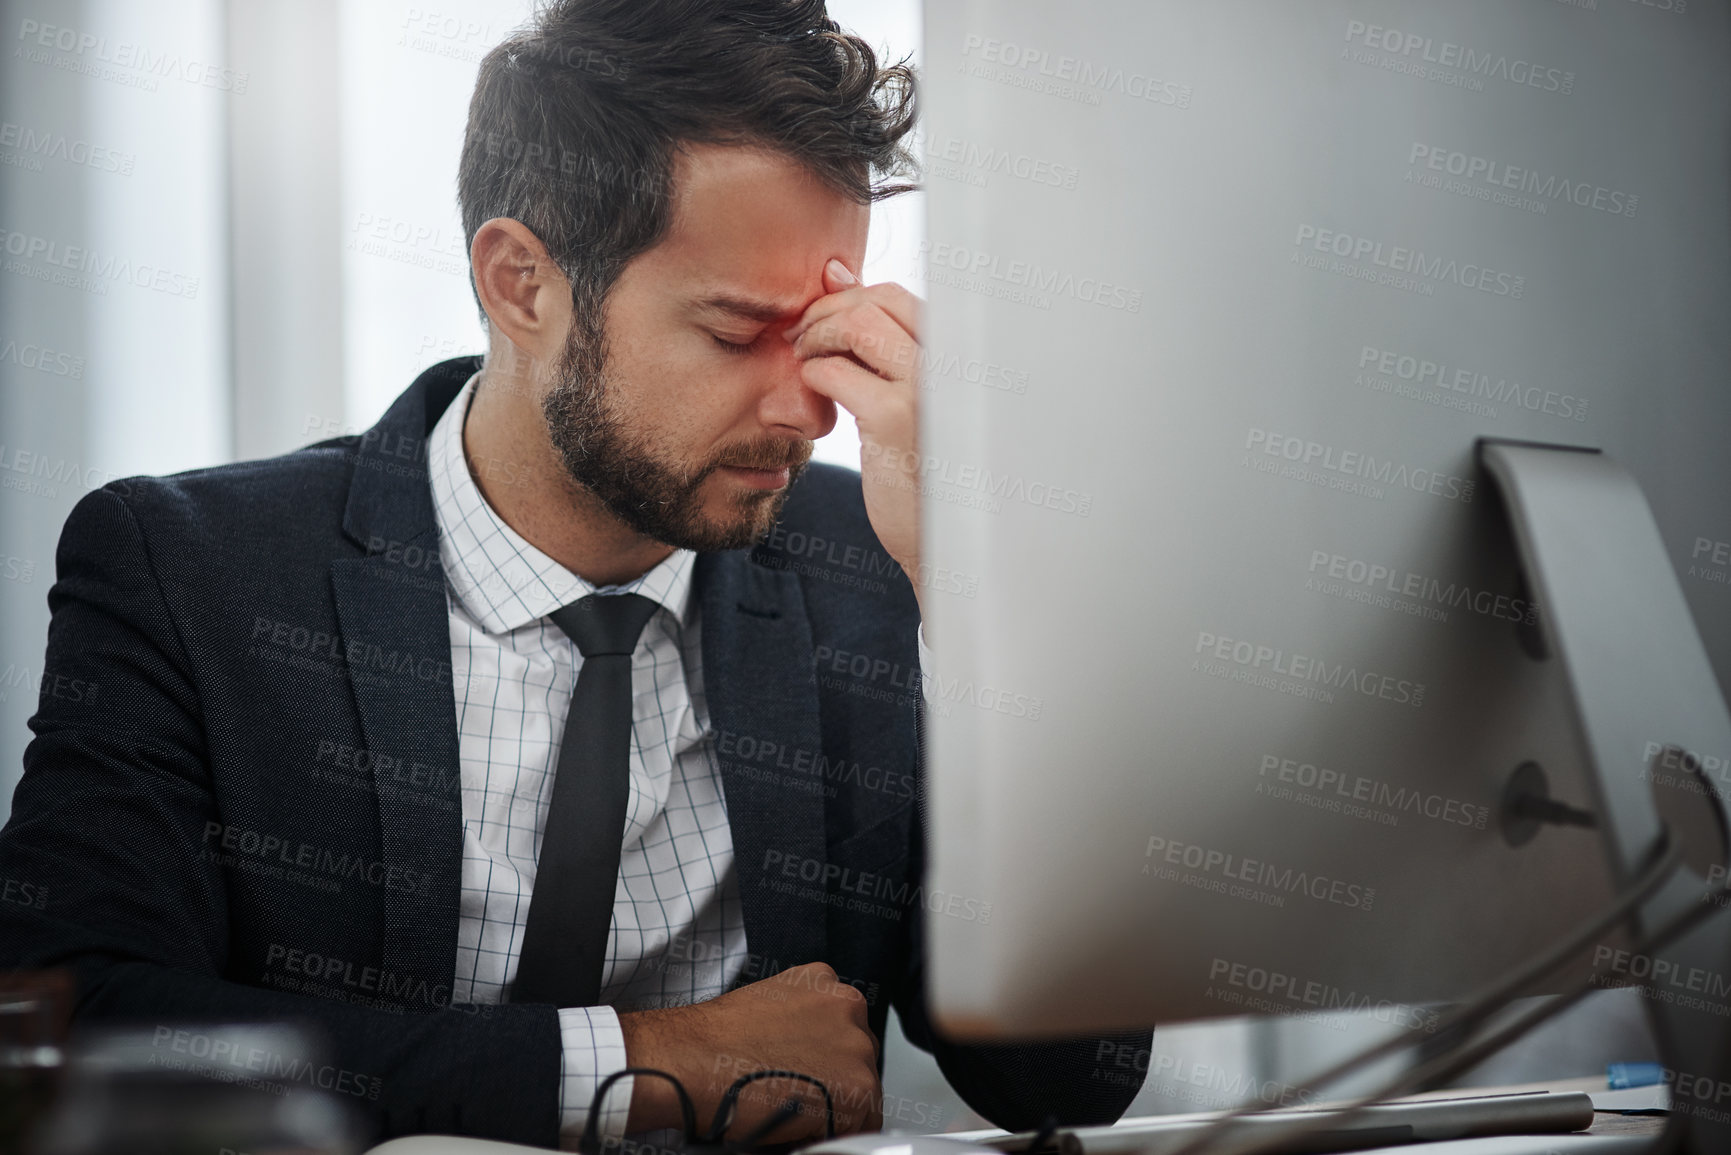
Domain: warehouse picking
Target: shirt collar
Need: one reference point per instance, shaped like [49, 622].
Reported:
[498, 577]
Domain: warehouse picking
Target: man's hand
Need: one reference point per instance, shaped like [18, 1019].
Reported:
[803, 1019]
[861, 349]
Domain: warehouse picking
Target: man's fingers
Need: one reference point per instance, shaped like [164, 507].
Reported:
[837, 276]
[873, 401]
[901, 304]
[856, 1005]
[861, 1018]
[867, 333]
[874, 1116]
[807, 973]
[897, 303]
[858, 1101]
[789, 1021]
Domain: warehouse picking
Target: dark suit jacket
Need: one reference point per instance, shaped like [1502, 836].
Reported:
[242, 799]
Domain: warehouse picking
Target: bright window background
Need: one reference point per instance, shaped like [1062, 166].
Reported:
[121, 188]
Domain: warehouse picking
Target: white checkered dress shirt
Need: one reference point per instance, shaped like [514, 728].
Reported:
[678, 936]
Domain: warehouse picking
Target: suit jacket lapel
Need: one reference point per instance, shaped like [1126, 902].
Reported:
[398, 646]
[397, 643]
[757, 676]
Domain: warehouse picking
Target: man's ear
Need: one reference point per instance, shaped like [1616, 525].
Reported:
[523, 292]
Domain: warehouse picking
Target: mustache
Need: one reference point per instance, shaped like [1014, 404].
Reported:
[768, 453]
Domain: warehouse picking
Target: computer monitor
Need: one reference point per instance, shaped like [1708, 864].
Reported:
[1223, 296]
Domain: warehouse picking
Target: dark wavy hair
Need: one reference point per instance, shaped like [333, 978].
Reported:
[575, 119]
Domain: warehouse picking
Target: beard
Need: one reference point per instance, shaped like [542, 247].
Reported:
[654, 494]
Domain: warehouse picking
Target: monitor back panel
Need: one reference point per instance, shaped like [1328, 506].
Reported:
[1230, 673]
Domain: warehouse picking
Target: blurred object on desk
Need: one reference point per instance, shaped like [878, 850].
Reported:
[34, 1009]
[167, 1089]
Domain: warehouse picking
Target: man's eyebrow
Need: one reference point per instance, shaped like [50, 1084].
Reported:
[767, 312]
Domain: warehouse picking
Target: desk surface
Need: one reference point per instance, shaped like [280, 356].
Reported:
[1604, 1123]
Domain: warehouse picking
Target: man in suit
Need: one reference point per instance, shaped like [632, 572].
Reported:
[349, 760]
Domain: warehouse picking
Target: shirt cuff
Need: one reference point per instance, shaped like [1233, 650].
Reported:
[925, 663]
[592, 1047]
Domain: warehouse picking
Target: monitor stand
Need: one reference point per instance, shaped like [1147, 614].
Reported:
[1615, 619]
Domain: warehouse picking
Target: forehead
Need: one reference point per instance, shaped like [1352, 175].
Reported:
[749, 221]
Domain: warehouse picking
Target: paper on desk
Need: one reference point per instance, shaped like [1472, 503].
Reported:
[1653, 1098]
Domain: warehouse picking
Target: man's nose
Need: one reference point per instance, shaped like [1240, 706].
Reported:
[788, 402]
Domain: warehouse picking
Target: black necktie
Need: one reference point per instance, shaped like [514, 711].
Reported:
[571, 909]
